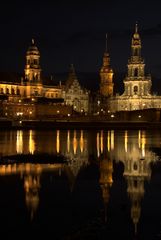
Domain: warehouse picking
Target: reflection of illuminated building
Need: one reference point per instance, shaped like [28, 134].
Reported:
[136, 158]
[105, 143]
[57, 141]
[31, 173]
[71, 144]
[32, 186]
[106, 170]
[75, 149]
[31, 142]
[19, 142]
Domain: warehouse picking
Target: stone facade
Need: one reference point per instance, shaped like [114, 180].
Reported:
[74, 94]
[137, 86]
[31, 87]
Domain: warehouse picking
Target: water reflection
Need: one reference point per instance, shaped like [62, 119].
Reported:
[131, 148]
[105, 181]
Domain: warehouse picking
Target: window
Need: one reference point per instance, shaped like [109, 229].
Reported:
[135, 72]
[18, 91]
[135, 166]
[135, 89]
[12, 91]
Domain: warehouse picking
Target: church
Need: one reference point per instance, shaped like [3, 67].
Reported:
[137, 85]
[25, 95]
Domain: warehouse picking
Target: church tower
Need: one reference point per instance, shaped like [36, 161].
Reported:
[106, 75]
[32, 67]
[136, 84]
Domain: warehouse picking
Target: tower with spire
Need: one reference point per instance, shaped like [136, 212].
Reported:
[32, 67]
[136, 84]
[106, 75]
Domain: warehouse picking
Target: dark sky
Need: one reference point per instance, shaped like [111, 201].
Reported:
[74, 32]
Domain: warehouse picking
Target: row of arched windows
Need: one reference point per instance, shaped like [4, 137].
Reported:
[8, 91]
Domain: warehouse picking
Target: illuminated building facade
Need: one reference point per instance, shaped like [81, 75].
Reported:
[22, 93]
[106, 75]
[74, 95]
[137, 86]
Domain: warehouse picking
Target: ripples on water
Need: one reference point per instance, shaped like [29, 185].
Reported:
[110, 186]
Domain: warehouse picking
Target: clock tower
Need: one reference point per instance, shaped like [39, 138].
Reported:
[106, 75]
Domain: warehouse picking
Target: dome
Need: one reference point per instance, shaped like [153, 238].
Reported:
[33, 48]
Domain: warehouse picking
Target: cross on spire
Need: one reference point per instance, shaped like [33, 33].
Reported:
[136, 27]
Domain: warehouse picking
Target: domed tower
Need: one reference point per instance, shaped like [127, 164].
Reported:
[106, 74]
[32, 67]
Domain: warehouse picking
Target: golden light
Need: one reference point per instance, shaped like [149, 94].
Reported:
[81, 142]
[112, 140]
[108, 141]
[98, 145]
[68, 141]
[143, 142]
[57, 141]
[31, 142]
[19, 113]
[19, 141]
[139, 138]
[75, 142]
[101, 141]
[126, 140]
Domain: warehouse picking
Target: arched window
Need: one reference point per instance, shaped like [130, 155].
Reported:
[135, 89]
[2, 91]
[135, 166]
[18, 91]
[135, 72]
[135, 183]
[12, 91]
[7, 91]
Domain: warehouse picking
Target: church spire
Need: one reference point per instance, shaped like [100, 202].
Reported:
[136, 45]
[106, 74]
[136, 27]
[106, 44]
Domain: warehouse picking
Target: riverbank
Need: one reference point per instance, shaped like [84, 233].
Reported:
[57, 124]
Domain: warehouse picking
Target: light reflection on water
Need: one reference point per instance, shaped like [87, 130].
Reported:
[115, 167]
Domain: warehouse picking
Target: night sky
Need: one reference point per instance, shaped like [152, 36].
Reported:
[74, 32]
